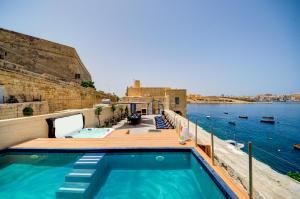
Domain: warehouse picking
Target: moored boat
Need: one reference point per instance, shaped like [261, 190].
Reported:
[208, 116]
[235, 144]
[297, 146]
[226, 113]
[243, 117]
[267, 121]
[268, 117]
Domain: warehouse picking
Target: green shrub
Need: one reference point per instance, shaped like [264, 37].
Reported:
[88, 84]
[27, 111]
[98, 111]
[294, 175]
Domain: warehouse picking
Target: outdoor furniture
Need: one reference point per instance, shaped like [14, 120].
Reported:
[134, 119]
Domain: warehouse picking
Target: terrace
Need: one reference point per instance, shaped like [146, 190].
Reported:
[141, 136]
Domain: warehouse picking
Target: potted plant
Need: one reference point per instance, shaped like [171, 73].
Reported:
[113, 109]
[126, 111]
[98, 111]
[181, 140]
[121, 110]
[106, 123]
[28, 111]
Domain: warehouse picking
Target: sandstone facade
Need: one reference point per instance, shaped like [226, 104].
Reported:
[42, 56]
[33, 69]
[15, 110]
[60, 95]
[156, 99]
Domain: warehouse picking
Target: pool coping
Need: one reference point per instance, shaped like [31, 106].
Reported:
[224, 188]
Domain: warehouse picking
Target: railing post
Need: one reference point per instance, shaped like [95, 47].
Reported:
[250, 170]
[188, 126]
[196, 132]
[179, 124]
[212, 148]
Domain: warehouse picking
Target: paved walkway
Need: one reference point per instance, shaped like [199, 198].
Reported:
[147, 124]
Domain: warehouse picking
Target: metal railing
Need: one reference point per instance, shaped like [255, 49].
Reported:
[239, 164]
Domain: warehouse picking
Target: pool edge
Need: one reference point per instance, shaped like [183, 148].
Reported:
[220, 183]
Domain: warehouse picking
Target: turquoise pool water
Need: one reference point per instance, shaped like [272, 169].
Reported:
[173, 175]
[30, 176]
[157, 176]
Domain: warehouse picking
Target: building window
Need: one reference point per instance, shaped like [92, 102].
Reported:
[177, 100]
[77, 76]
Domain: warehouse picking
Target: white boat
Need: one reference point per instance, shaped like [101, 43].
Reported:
[208, 116]
[234, 144]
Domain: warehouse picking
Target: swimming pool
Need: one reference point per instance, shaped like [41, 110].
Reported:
[113, 174]
[91, 133]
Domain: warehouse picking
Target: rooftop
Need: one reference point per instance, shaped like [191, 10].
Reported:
[127, 136]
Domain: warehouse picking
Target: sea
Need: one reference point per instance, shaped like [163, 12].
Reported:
[271, 143]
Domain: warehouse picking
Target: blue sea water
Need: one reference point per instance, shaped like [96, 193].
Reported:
[272, 144]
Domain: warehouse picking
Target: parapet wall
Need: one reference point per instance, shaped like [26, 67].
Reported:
[18, 130]
[16, 109]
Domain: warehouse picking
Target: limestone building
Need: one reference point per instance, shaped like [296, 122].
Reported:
[43, 75]
[153, 100]
[42, 57]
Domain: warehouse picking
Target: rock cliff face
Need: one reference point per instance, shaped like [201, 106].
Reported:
[42, 56]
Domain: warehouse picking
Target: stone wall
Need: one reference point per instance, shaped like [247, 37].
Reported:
[17, 130]
[147, 91]
[42, 56]
[171, 95]
[60, 95]
[16, 109]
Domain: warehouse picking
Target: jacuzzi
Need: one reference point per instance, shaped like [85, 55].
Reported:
[91, 133]
[72, 126]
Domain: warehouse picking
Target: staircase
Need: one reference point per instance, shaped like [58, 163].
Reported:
[81, 182]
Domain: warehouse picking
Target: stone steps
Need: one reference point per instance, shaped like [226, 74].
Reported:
[82, 180]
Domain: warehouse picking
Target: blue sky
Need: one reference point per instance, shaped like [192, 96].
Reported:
[211, 47]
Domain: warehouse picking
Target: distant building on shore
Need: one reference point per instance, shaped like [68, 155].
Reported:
[153, 100]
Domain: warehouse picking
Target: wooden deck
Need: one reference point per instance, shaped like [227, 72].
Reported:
[121, 138]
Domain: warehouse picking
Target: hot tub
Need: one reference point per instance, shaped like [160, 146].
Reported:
[91, 133]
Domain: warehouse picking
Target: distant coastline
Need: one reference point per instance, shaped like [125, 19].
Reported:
[260, 99]
[198, 99]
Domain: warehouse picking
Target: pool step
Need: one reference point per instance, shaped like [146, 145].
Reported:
[89, 161]
[74, 190]
[81, 175]
[80, 183]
